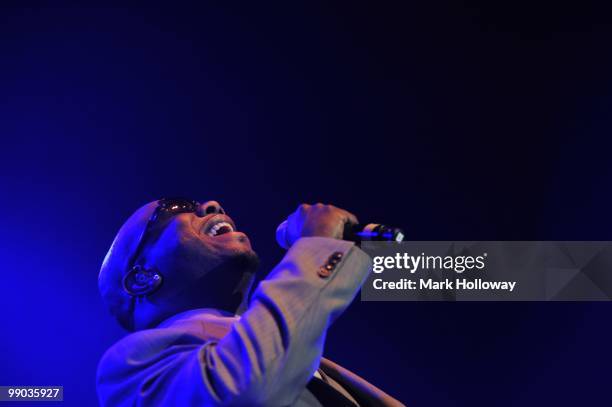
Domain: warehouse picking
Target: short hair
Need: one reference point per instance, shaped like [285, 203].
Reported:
[115, 266]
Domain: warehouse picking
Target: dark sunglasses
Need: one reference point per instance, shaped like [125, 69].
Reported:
[166, 208]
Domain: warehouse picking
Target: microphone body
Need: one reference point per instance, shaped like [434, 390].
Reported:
[353, 232]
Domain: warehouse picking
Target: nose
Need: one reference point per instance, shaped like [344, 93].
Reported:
[210, 207]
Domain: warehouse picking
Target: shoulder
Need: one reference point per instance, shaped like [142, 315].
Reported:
[132, 366]
[181, 333]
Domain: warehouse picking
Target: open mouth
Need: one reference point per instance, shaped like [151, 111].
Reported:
[218, 225]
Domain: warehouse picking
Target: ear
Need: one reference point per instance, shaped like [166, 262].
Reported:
[140, 281]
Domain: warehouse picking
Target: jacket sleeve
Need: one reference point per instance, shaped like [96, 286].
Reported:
[267, 357]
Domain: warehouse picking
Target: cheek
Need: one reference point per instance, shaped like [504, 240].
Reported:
[196, 254]
[183, 256]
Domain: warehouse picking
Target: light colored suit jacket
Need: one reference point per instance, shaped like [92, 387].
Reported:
[266, 357]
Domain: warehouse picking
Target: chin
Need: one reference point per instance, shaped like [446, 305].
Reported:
[232, 252]
[231, 241]
[243, 260]
[235, 242]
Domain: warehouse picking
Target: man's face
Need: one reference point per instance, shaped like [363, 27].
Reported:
[201, 251]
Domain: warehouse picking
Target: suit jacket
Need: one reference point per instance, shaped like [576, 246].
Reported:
[266, 357]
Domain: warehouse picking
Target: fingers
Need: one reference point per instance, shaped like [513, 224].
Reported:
[318, 220]
[302, 209]
[347, 216]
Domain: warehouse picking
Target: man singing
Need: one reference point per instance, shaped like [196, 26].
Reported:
[178, 275]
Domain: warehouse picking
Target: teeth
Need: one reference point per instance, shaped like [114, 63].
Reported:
[213, 231]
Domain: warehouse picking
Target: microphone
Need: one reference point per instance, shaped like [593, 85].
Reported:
[353, 232]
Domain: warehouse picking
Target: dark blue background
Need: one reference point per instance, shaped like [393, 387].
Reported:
[456, 120]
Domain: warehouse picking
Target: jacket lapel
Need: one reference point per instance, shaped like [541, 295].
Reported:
[365, 393]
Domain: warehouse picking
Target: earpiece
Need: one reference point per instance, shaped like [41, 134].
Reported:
[140, 281]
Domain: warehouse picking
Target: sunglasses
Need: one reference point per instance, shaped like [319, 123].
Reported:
[166, 208]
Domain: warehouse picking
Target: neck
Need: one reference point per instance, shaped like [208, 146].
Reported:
[204, 294]
[225, 288]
